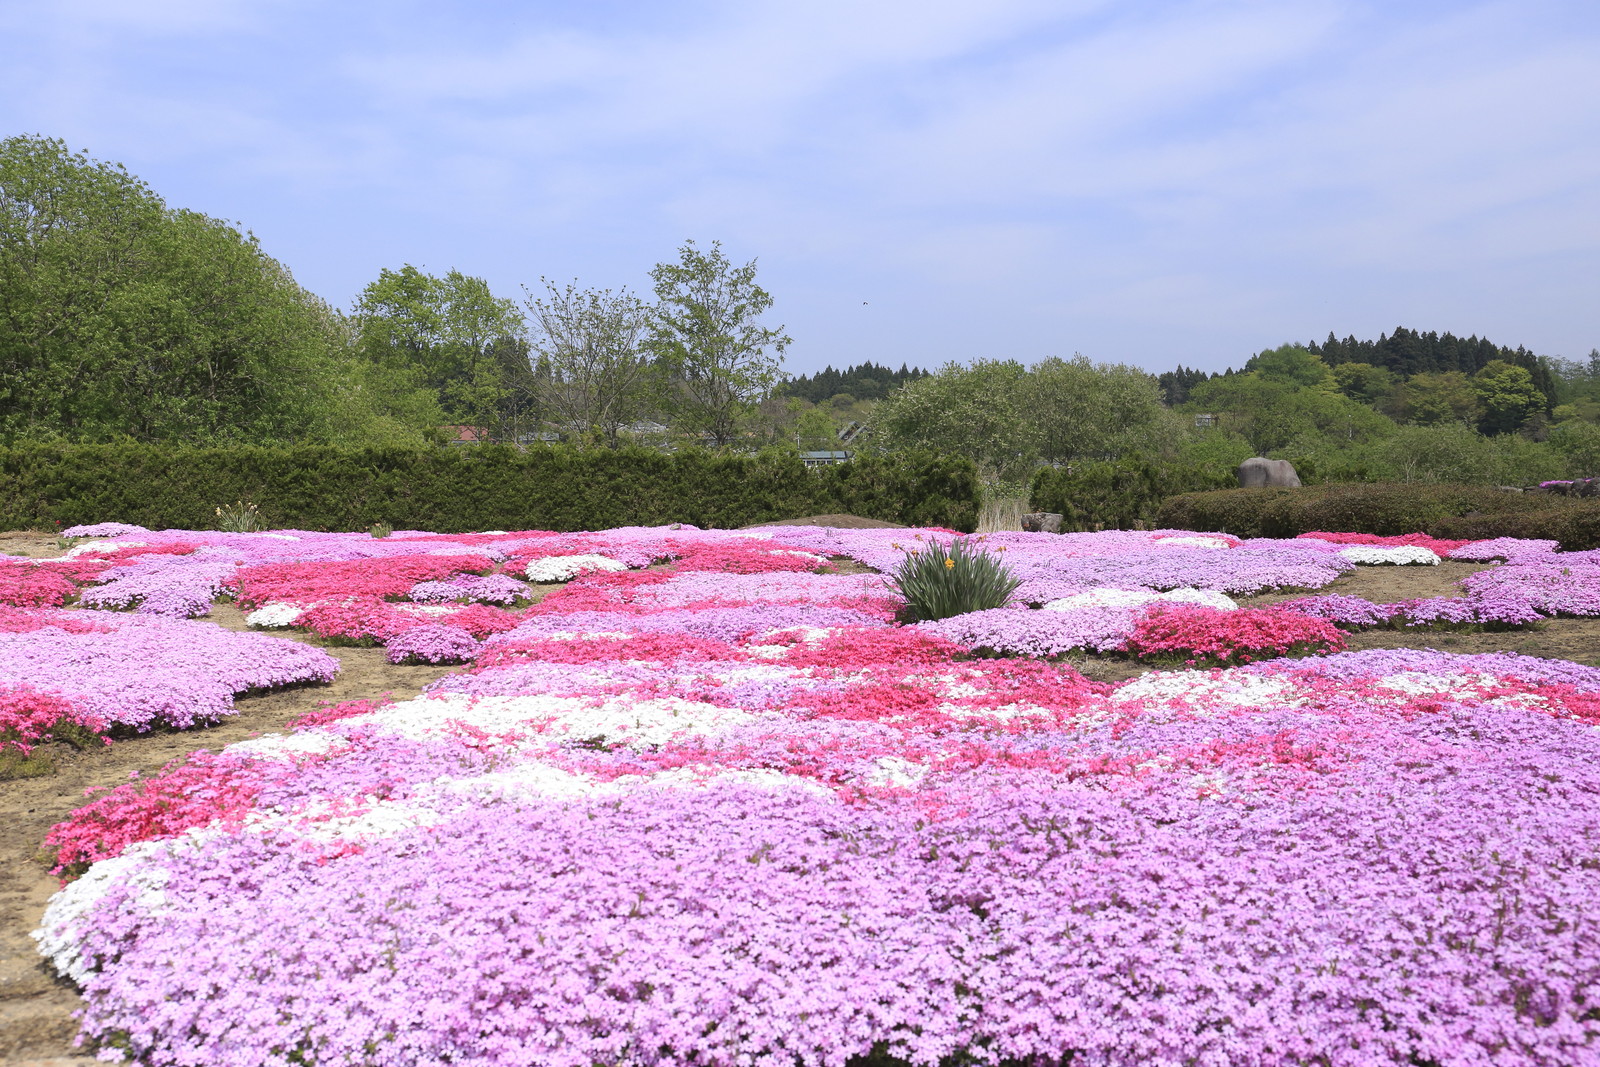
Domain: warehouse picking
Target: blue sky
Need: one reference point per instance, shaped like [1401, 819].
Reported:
[1151, 183]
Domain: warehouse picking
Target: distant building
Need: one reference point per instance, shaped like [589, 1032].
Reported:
[465, 435]
[823, 459]
[1206, 422]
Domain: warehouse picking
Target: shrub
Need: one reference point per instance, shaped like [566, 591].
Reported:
[1120, 495]
[941, 580]
[455, 490]
[1384, 508]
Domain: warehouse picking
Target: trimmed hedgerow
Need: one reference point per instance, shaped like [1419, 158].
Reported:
[1119, 495]
[451, 490]
[1377, 508]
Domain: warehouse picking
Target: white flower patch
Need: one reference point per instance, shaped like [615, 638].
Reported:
[895, 772]
[1219, 691]
[763, 645]
[65, 923]
[526, 781]
[545, 719]
[566, 568]
[1194, 542]
[693, 778]
[1404, 686]
[589, 635]
[276, 615]
[425, 610]
[285, 746]
[330, 821]
[1379, 555]
[753, 535]
[101, 546]
[999, 713]
[1137, 598]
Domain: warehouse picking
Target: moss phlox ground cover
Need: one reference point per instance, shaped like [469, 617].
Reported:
[730, 812]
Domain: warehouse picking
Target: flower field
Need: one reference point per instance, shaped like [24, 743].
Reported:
[697, 797]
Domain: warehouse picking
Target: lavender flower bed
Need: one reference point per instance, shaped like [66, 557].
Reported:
[141, 670]
[716, 817]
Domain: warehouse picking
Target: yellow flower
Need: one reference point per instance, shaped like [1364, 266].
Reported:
[948, 562]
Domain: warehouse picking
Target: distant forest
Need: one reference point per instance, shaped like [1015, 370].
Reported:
[1402, 353]
[865, 381]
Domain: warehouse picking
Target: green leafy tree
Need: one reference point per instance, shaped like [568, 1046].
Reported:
[1366, 384]
[977, 410]
[1097, 410]
[717, 362]
[1292, 365]
[1507, 396]
[1579, 442]
[812, 426]
[441, 335]
[594, 370]
[1437, 399]
[120, 317]
[1273, 414]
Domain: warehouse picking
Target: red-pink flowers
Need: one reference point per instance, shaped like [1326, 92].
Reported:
[1208, 634]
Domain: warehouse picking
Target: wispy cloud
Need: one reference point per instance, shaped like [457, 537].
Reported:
[1189, 179]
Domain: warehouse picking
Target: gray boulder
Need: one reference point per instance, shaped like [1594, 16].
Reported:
[1261, 473]
[1041, 522]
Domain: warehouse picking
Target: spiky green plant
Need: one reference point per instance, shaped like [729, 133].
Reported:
[380, 529]
[239, 517]
[941, 580]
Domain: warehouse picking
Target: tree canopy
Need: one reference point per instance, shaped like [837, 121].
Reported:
[121, 317]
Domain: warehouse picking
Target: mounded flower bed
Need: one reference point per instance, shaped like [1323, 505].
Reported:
[729, 811]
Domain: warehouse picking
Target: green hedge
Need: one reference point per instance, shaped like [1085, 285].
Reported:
[1120, 495]
[1575, 523]
[453, 490]
[1376, 508]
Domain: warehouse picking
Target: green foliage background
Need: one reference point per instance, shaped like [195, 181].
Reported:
[453, 490]
[1467, 512]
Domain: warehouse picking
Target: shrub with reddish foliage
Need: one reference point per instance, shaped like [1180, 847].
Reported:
[1209, 634]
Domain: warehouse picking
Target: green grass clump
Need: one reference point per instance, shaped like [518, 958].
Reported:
[941, 580]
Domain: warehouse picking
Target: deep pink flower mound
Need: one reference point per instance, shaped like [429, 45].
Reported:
[17, 621]
[29, 717]
[1208, 634]
[200, 789]
[384, 577]
[1439, 546]
[45, 584]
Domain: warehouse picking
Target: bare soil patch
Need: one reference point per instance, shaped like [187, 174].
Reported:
[28, 543]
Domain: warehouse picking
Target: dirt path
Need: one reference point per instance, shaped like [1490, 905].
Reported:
[36, 1025]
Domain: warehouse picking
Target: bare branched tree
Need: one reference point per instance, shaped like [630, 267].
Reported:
[590, 342]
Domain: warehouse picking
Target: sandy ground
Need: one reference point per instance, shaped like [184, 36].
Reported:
[36, 1025]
